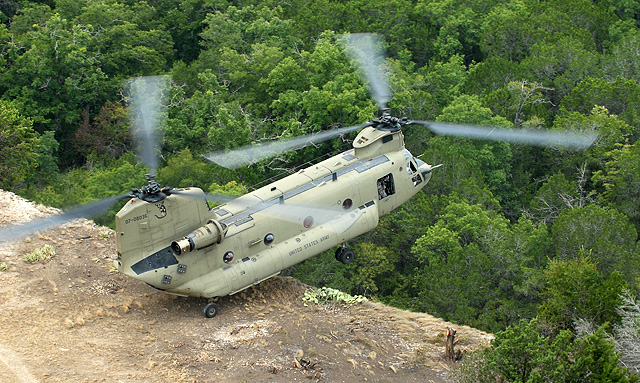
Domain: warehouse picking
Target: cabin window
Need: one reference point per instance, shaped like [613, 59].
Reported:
[308, 222]
[269, 238]
[386, 186]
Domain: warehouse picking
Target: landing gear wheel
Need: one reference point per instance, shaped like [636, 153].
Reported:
[344, 255]
[210, 310]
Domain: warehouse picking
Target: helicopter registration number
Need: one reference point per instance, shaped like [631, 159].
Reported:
[135, 219]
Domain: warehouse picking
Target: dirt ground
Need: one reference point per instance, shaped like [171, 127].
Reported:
[72, 318]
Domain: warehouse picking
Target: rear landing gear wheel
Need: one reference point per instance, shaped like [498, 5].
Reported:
[344, 255]
[210, 310]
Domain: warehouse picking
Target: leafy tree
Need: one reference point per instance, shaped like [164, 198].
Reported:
[19, 146]
[515, 352]
[53, 79]
[472, 267]
[238, 30]
[108, 135]
[186, 18]
[620, 181]
[602, 233]
[490, 75]
[610, 130]
[575, 289]
[488, 163]
[128, 37]
[232, 188]
[560, 65]
[458, 24]
[621, 63]
[372, 270]
[509, 32]
[184, 170]
[522, 354]
[47, 171]
[620, 97]
[556, 194]
[444, 80]
[191, 119]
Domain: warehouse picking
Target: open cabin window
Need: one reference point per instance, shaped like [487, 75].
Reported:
[386, 187]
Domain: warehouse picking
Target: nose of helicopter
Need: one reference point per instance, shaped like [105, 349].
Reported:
[424, 169]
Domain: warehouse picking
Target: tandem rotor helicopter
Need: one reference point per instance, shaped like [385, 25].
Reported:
[170, 239]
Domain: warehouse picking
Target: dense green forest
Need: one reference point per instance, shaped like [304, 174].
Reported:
[539, 245]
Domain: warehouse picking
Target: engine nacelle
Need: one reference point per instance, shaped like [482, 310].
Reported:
[211, 233]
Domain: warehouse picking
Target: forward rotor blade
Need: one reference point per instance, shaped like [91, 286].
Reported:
[546, 138]
[366, 50]
[146, 96]
[236, 158]
[91, 209]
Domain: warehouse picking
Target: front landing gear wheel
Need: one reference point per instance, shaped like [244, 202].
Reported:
[344, 255]
[210, 310]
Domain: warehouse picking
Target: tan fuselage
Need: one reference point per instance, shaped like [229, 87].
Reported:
[254, 237]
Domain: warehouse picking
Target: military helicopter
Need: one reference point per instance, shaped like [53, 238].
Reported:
[172, 240]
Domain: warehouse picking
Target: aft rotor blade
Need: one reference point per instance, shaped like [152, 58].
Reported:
[366, 50]
[206, 196]
[236, 158]
[146, 96]
[546, 138]
[91, 209]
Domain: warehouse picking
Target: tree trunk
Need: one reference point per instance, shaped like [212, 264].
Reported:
[449, 343]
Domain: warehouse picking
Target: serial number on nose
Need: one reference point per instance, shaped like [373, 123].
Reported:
[135, 219]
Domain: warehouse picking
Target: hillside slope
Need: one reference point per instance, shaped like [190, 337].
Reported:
[71, 318]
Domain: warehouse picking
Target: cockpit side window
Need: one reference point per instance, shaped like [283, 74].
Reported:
[412, 169]
[386, 187]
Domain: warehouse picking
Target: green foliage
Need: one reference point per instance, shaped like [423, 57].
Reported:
[459, 31]
[575, 289]
[471, 266]
[108, 135]
[81, 186]
[232, 188]
[621, 61]
[42, 254]
[328, 295]
[556, 194]
[604, 234]
[371, 272]
[620, 179]
[18, 146]
[3, 266]
[47, 170]
[465, 161]
[184, 170]
[522, 354]
[620, 96]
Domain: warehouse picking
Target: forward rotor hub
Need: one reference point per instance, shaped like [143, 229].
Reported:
[388, 123]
